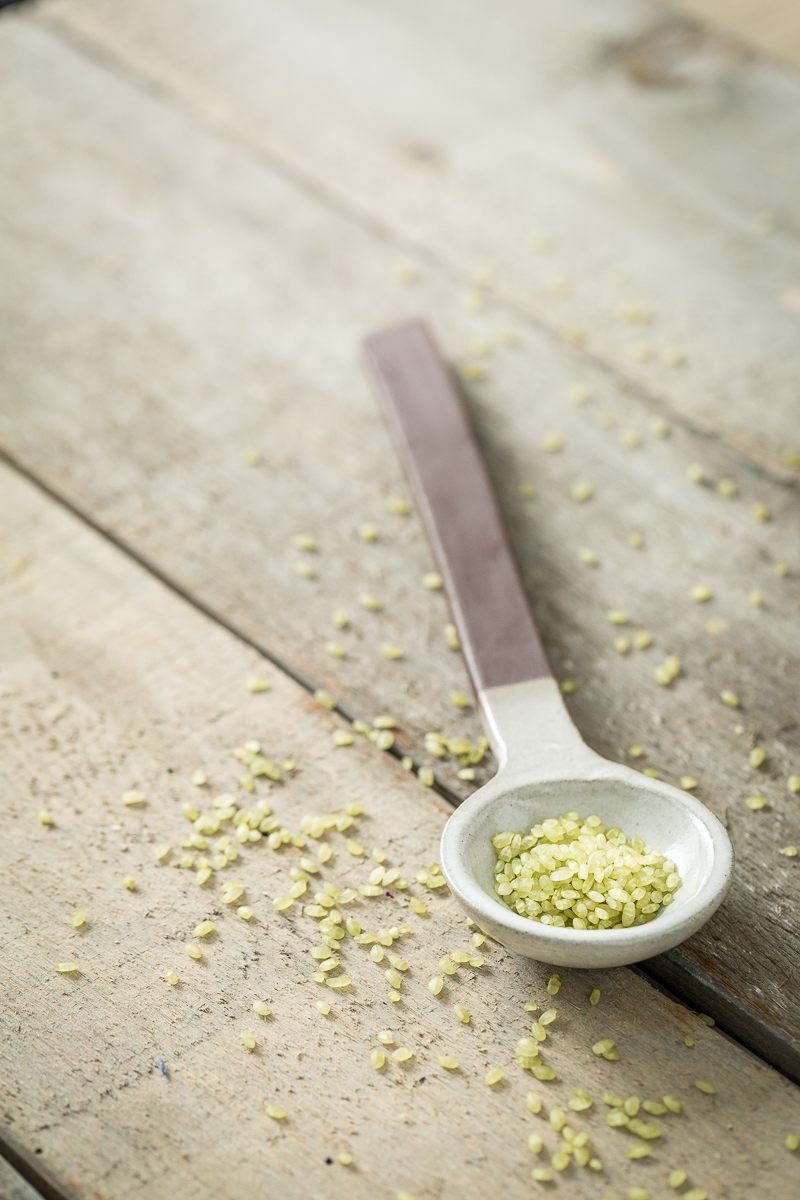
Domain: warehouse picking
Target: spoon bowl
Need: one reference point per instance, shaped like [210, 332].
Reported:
[544, 779]
[545, 768]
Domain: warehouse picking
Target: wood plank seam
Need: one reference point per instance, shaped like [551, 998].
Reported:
[25, 1164]
[366, 221]
[771, 1045]
[305, 681]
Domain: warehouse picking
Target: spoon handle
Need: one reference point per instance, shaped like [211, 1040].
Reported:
[426, 416]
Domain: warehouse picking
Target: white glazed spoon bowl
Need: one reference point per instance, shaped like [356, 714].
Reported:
[552, 771]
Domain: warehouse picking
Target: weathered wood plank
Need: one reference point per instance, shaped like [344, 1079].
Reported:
[644, 151]
[175, 301]
[108, 681]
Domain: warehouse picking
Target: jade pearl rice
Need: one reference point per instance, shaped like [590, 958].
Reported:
[578, 874]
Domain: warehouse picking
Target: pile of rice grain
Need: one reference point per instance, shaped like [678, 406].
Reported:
[582, 875]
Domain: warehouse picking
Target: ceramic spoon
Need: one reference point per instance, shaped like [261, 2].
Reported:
[544, 767]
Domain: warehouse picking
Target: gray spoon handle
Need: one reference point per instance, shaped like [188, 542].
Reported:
[426, 415]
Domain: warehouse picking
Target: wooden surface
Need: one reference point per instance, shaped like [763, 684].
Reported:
[110, 681]
[476, 132]
[179, 291]
[203, 212]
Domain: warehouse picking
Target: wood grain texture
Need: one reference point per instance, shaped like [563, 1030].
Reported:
[173, 299]
[454, 495]
[108, 681]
